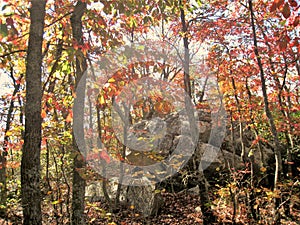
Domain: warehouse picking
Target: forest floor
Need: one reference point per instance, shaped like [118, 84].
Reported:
[178, 209]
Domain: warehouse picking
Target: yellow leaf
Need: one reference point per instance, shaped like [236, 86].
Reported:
[250, 153]
[101, 100]
[56, 202]
[8, 133]
[111, 80]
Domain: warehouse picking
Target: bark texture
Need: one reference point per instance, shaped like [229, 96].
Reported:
[277, 147]
[79, 183]
[30, 164]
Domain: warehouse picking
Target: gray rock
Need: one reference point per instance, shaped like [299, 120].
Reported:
[94, 190]
[145, 199]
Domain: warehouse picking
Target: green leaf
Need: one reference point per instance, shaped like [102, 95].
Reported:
[3, 30]
[4, 7]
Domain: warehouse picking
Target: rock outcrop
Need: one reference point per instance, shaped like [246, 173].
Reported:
[158, 141]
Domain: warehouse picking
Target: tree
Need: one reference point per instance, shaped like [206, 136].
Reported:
[78, 191]
[30, 164]
[266, 101]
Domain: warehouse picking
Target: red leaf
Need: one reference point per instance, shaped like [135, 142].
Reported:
[274, 6]
[293, 3]
[252, 55]
[283, 44]
[92, 156]
[119, 157]
[9, 21]
[286, 12]
[104, 155]
[296, 21]
[279, 2]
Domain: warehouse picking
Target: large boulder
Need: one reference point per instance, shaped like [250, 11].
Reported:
[145, 199]
[94, 190]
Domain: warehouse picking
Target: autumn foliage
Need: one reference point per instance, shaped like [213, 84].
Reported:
[251, 47]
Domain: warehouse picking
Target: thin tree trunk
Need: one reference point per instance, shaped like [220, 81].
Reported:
[30, 163]
[186, 64]
[260, 147]
[78, 191]
[282, 102]
[208, 216]
[50, 189]
[269, 115]
[277, 147]
[241, 128]
[4, 153]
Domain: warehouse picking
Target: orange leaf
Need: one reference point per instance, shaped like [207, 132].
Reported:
[44, 141]
[43, 114]
[69, 117]
[263, 169]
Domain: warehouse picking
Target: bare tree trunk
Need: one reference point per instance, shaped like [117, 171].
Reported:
[282, 103]
[269, 115]
[208, 216]
[277, 147]
[30, 163]
[186, 64]
[260, 147]
[241, 128]
[78, 191]
[4, 153]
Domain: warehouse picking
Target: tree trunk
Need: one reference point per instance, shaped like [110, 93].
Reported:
[186, 63]
[30, 163]
[241, 128]
[4, 153]
[277, 147]
[208, 216]
[78, 191]
[269, 115]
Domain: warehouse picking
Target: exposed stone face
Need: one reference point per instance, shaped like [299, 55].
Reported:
[145, 199]
[94, 191]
